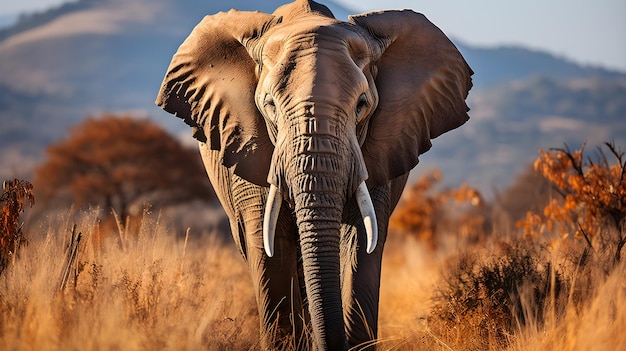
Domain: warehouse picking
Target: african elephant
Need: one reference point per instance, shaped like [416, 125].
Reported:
[308, 127]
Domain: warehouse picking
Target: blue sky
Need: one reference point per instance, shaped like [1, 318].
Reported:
[587, 32]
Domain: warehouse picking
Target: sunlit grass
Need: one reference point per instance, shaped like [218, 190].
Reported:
[587, 313]
[147, 287]
[145, 290]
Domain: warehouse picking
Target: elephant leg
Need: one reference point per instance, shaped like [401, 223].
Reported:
[272, 278]
[275, 280]
[361, 271]
[361, 283]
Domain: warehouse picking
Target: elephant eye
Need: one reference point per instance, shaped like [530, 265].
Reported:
[269, 105]
[361, 106]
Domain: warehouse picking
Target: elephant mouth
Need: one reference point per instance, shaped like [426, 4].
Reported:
[275, 199]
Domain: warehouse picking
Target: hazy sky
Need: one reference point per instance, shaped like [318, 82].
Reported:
[588, 32]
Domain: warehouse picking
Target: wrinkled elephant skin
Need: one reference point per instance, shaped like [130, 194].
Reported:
[308, 127]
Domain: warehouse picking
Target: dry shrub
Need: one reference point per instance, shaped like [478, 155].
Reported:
[520, 295]
[592, 206]
[485, 296]
[555, 280]
[428, 213]
[15, 195]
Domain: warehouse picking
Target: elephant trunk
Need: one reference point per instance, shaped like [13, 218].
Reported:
[320, 150]
[319, 228]
[319, 184]
[316, 170]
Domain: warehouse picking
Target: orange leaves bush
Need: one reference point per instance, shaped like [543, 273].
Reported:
[593, 197]
[426, 212]
[15, 195]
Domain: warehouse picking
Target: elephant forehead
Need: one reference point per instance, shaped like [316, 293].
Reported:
[315, 59]
[313, 33]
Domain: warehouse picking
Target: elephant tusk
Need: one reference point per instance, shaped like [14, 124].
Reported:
[369, 216]
[272, 209]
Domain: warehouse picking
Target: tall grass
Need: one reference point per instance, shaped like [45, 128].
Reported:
[143, 290]
[598, 323]
[151, 288]
[514, 295]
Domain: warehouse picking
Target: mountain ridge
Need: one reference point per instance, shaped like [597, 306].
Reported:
[497, 65]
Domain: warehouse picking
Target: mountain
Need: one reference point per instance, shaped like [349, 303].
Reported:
[511, 121]
[503, 64]
[6, 20]
[86, 57]
[29, 21]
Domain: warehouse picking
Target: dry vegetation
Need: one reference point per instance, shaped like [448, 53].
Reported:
[556, 281]
[15, 195]
[122, 163]
[143, 290]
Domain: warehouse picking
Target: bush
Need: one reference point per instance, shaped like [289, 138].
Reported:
[484, 298]
[553, 273]
[15, 195]
[592, 206]
[428, 213]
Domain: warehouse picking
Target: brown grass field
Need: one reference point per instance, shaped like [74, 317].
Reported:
[152, 288]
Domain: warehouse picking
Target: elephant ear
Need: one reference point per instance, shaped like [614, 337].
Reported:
[210, 84]
[422, 84]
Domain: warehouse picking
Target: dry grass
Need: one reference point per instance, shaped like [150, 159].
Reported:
[150, 289]
[145, 290]
[598, 324]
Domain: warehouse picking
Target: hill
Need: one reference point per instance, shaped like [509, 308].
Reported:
[80, 59]
[502, 64]
[511, 121]
[86, 57]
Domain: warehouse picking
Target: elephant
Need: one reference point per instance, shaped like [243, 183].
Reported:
[308, 127]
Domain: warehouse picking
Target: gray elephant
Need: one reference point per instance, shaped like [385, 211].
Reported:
[308, 127]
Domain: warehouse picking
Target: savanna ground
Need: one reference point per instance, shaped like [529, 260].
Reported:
[457, 274]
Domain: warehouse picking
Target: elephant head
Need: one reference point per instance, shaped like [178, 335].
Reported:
[318, 110]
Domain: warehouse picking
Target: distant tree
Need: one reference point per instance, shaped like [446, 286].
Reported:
[121, 163]
[426, 212]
